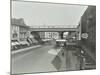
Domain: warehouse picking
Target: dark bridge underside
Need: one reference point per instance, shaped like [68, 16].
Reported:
[54, 29]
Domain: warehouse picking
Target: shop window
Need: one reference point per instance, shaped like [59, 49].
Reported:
[15, 35]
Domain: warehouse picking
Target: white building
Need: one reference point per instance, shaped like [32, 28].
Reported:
[50, 35]
[19, 30]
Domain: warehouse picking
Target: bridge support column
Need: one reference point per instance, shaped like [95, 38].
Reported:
[79, 31]
[61, 35]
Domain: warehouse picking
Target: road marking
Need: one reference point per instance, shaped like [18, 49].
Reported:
[54, 51]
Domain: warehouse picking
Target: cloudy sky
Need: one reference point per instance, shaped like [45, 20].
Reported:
[47, 14]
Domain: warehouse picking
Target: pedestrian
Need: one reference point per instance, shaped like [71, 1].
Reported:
[28, 40]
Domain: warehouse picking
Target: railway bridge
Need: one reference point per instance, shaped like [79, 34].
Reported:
[57, 28]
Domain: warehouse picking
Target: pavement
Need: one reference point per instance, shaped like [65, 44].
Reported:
[25, 49]
[92, 55]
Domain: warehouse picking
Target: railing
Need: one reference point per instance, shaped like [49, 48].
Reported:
[54, 26]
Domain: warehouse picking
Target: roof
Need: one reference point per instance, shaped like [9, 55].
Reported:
[19, 22]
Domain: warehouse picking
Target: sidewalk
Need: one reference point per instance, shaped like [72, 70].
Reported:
[89, 52]
[24, 49]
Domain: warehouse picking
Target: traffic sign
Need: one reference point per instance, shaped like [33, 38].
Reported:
[84, 35]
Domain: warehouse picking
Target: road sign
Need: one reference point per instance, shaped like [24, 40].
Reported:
[84, 35]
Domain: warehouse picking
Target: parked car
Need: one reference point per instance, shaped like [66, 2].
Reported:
[24, 43]
[15, 44]
[61, 42]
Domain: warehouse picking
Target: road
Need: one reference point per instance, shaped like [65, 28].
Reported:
[41, 60]
[33, 61]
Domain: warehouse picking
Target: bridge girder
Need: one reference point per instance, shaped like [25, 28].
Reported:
[54, 29]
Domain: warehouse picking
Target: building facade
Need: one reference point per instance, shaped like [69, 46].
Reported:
[88, 24]
[42, 35]
[50, 35]
[19, 30]
[88, 40]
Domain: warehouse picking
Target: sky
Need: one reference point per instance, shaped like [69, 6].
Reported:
[47, 14]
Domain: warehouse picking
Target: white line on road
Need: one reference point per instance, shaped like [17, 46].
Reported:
[54, 52]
